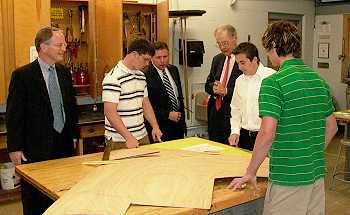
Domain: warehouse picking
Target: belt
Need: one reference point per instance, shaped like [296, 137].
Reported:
[253, 133]
[250, 133]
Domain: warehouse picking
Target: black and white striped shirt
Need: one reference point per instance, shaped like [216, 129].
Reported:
[127, 88]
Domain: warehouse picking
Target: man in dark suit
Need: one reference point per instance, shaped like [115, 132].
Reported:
[41, 117]
[165, 95]
[220, 84]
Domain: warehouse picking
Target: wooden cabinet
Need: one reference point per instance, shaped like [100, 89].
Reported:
[101, 46]
[110, 27]
[19, 21]
[77, 20]
[3, 142]
[92, 130]
[7, 59]
[89, 131]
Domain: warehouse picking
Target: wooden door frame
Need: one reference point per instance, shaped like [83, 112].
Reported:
[345, 50]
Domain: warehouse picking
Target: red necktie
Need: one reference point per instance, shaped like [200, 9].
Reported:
[224, 82]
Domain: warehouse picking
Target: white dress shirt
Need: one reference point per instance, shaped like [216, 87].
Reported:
[45, 71]
[244, 103]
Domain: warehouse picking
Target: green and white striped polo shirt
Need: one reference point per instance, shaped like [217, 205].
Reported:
[299, 99]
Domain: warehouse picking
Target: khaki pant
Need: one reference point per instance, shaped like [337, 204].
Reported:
[300, 200]
[112, 145]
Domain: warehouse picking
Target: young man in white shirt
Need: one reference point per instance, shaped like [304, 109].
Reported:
[245, 121]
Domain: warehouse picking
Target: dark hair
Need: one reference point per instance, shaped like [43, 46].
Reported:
[160, 45]
[284, 37]
[43, 36]
[247, 48]
[141, 46]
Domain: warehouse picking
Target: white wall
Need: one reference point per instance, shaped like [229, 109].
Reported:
[247, 16]
[335, 37]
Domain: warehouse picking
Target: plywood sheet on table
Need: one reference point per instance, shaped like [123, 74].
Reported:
[188, 142]
[45, 175]
[91, 196]
[151, 183]
[170, 183]
[89, 203]
[175, 178]
[222, 166]
[130, 153]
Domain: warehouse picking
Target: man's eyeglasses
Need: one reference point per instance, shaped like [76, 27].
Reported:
[223, 43]
[58, 45]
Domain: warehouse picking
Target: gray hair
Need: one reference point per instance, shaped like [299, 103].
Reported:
[229, 28]
[44, 35]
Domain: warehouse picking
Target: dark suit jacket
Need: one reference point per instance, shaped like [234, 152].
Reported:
[161, 103]
[220, 119]
[29, 118]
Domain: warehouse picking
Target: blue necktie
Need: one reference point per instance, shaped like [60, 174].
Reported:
[170, 91]
[56, 101]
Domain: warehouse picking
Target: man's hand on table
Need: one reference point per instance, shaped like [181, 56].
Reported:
[239, 183]
[233, 140]
[132, 142]
[157, 134]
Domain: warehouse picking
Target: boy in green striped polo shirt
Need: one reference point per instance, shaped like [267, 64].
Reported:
[297, 125]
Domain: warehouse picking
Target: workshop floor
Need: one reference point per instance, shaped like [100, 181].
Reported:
[337, 199]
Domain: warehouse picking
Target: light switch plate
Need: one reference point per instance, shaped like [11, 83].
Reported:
[33, 54]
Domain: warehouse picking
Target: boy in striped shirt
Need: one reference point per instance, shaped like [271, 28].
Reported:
[297, 125]
[126, 102]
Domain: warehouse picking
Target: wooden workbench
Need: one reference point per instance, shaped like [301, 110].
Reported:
[342, 116]
[55, 177]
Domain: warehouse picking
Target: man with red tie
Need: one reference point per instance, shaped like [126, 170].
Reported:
[220, 84]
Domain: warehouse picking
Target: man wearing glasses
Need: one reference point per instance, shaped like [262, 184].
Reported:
[220, 84]
[41, 117]
[126, 102]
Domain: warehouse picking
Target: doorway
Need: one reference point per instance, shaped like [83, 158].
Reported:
[296, 19]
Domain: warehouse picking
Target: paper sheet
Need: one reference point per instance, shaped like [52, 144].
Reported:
[203, 148]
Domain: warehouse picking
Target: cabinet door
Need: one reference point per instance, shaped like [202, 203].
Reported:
[19, 22]
[29, 17]
[163, 21]
[109, 17]
[109, 35]
[7, 54]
